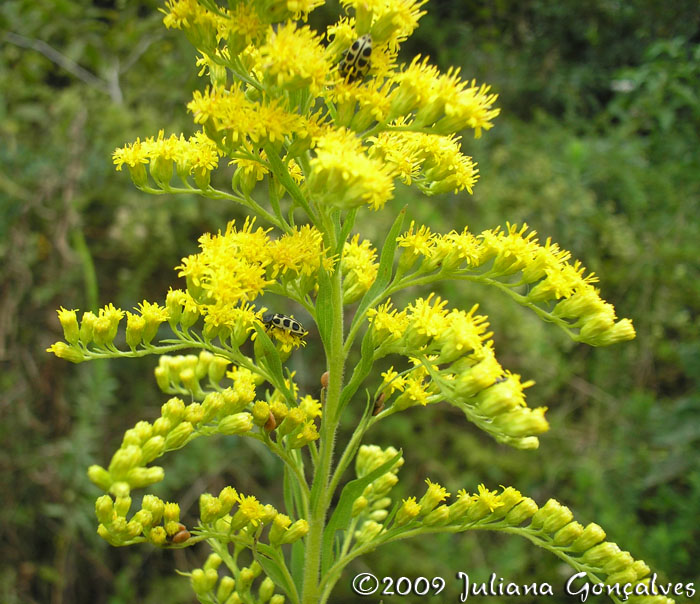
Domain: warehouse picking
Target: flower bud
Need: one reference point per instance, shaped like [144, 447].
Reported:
[600, 554]
[434, 495]
[295, 532]
[203, 581]
[135, 325]
[239, 423]
[87, 327]
[440, 516]
[278, 528]
[408, 511]
[521, 512]
[174, 410]
[618, 563]
[63, 351]
[210, 508]
[359, 505]
[369, 531]
[217, 369]
[179, 436]
[157, 535]
[261, 413]
[171, 512]
[225, 588]
[100, 477]
[154, 505]
[266, 591]
[123, 460]
[592, 535]
[122, 505]
[152, 448]
[566, 535]
[69, 322]
[143, 477]
[277, 599]
[104, 509]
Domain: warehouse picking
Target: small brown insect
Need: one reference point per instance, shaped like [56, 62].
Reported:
[378, 404]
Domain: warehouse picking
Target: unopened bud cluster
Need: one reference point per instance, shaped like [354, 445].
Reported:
[371, 508]
[454, 361]
[250, 584]
[157, 522]
[233, 516]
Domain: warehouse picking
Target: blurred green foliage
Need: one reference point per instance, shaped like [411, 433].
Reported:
[596, 147]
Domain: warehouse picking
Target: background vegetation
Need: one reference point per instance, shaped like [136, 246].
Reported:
[597, 147]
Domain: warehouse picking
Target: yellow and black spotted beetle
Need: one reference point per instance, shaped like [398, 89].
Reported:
[275, 319]
[355, 63]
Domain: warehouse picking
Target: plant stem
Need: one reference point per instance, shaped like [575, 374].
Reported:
[320, 493]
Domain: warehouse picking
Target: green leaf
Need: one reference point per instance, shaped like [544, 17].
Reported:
[343, 512]
[324, 307]
[273, 569]
[385, 270]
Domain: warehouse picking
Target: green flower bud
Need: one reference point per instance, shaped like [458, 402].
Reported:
[179, 436]
[521, 512]
[278, 528]
[384, 484]
[225, 588]
[619, 563]
[154, 505]
[157, 535]
[378, 515]
[458, 510]
[162, 426]
[209, 508]
[568, 534]
[245, 580]
[213, 561]
[203, 581]
[152, 448]
[295, 532]
[641, 569]
[359, 505]
[174, 410]
[369, 531]
[120, 488]
[382, 503]
[101, 331]
[100, 477]
[213, 403]
[551, 516]
[261, 413]
[143, 477]
[269, 514]
[592, 535]
[624, 576]
[294, 419]
[138, 175]
[162, 171]
[277, 599]
[217, 369]
[63, 351]
[144, 430]
[123, 460]
[122, 505]
[194, 413]
[162, 374]
[144, 518]
[267, 590]
[104, 509]
[600, 554]
[174, 301]
[133, 528]
[239, 423]
[440, 516]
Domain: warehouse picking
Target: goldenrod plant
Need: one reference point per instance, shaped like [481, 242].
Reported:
[329, 122]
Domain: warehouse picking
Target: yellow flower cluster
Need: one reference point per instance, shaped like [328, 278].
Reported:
[274, 82]
[359, 267]
[454, 361]
[513, 258]
[198, 156]
[551, 526]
